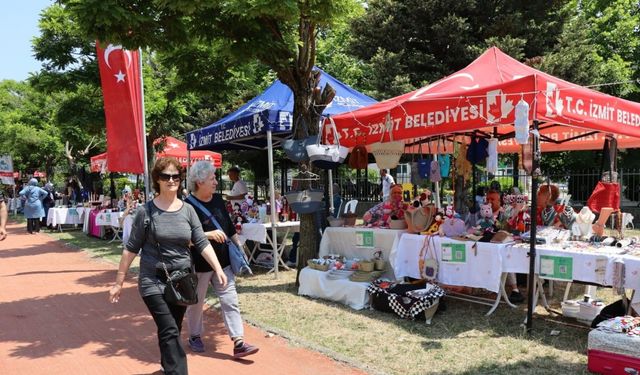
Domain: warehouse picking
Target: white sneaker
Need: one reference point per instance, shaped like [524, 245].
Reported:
[291, 264]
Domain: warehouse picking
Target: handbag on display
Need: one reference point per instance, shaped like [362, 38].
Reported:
[359, 157]
[416, 178]
[181, 285]
[237, 257]
[605, 194]
[424, 164]
[428, 262]
[296, 149]
[305, 201]
[387, 154]
[420, 219]
[327, 156]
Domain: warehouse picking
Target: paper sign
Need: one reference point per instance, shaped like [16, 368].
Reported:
[364, 239]
[556, 267]
[454, 252]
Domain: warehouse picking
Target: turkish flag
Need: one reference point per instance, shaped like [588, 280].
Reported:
[121, 89]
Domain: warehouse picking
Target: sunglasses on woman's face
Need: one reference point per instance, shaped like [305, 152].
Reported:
[168, 176]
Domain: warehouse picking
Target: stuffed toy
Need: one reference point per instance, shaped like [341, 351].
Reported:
[486, 217]
[435, 226]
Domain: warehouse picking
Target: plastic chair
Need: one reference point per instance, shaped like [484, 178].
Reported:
[350, 206]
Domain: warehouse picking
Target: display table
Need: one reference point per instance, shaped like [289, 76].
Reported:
[461, 263]
[110, 219]
[314, 283]
[260, 233]
[360, 243]
[351, 242]
[59, 216]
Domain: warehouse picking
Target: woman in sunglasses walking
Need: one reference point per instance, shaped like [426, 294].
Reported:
[163, 230]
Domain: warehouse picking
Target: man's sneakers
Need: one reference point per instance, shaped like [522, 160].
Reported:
[244, 350]
[196, 345]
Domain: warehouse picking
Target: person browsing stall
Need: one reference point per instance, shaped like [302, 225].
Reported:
[164, 229]
[202, 182]
[33, 208]
[239, 189]
[387, 183]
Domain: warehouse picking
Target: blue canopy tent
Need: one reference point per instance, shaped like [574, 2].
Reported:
[265, 121]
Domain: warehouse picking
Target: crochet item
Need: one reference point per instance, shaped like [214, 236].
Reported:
[522, 122]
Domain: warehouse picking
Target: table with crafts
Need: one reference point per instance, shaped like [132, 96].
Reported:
[350, 242]
[485, 265]
[260, 233]
[59, 216]
[107, 218]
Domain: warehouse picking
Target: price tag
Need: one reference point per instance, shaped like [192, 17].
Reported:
[556, 267]
[364, 239]
[454, 252]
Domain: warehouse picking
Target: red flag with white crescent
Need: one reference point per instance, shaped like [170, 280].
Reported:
[120, 77]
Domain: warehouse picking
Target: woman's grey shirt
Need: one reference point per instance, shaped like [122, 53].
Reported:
[167, 240]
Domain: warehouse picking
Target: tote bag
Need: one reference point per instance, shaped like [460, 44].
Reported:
[387, 154]
[359, 157]
[327, 156]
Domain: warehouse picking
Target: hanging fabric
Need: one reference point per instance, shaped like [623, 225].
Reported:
[424, 163]
[522, 122]
[416, 178]
[492, 158]
[444, 160]
[434, 173]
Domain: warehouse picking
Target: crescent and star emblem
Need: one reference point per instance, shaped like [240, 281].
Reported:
[110, 48]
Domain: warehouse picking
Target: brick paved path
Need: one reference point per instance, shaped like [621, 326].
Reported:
[55, 319]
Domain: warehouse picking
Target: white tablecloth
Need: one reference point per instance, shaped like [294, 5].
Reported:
[484, 269]
[63, 215]
[345, 241]
[480, 268]
[258, 231]
[314, 283]
[105, 218]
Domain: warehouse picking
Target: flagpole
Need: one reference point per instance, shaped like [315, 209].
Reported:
[147, 189]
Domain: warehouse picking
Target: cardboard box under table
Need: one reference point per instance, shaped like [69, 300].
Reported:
[613, 353]
[352, 243]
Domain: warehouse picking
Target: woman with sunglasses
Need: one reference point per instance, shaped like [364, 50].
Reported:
[163, 229]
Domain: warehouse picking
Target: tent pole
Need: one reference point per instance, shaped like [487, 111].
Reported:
[331, 208]
[272, 199]
[535, 166]
[186, 185]
[147, 188]
[436, 192]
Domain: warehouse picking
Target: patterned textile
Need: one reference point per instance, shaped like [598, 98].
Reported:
[407, 305]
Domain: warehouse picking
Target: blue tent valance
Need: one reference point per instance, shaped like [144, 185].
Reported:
[272, 110]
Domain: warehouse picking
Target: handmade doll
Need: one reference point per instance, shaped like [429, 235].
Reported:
[518, 215]
[486, 217]
[438, 219]
[452, 226]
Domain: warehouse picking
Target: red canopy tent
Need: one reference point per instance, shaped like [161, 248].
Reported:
[172, 147]
[482, 97]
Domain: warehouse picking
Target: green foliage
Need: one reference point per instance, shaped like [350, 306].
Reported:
[408, 44]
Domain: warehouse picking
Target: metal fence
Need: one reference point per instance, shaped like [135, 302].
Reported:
[579, 184]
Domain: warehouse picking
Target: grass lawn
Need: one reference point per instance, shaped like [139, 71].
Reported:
[461, 339]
